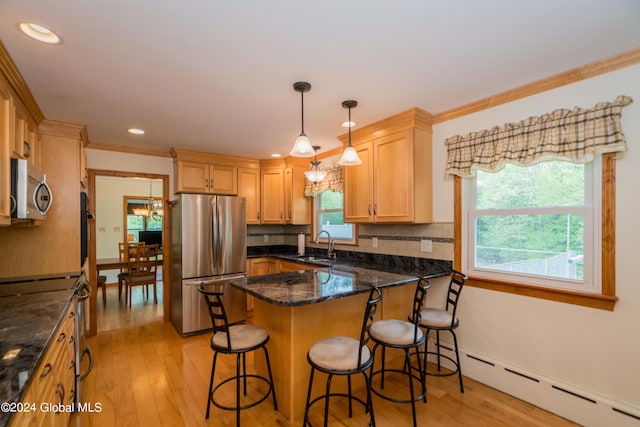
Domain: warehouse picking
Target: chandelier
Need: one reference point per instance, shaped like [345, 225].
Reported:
[152, 208]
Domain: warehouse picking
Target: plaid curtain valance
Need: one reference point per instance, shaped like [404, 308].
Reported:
[576, 135]
[333, 181]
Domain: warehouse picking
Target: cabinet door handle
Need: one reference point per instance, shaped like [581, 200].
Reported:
[27, 149]
[369, 210]
[258, 215]
[375, 209]
[46, 371]
[61, 337]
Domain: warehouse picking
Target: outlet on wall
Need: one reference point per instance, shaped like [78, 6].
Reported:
[426, 245]
[266, 237]
[374, 242]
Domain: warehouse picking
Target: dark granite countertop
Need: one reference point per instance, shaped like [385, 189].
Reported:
[30, 312]
[318, 284]
[410, 266]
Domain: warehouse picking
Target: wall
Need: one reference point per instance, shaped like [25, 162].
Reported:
[591, 352]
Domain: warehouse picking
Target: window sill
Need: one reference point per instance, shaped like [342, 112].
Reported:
[597, 301]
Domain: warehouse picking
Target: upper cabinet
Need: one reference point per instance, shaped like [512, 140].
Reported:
[196, 177]
[206, 173]
[5, 156]
[249, 188]
[19, 136]
[283, 200]
[394, 182]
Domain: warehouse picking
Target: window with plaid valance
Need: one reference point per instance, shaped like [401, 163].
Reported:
[333, 181]
[577, 135]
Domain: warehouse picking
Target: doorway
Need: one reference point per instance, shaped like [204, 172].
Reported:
[119, 188]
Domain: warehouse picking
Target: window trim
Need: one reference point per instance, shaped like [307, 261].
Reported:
[605, 300]
[314, 226]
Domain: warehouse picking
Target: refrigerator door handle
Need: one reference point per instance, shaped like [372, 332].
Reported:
[211, 280]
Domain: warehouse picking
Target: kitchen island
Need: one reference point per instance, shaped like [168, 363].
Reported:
[301, 307]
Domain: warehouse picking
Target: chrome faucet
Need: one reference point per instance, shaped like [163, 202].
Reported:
[330, 244]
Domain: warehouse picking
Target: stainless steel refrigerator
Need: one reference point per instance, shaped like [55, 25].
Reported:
[208, 244]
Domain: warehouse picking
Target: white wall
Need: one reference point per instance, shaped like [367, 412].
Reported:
[594, 352]
[125, 162]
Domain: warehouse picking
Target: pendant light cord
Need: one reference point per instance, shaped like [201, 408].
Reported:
[302, 111]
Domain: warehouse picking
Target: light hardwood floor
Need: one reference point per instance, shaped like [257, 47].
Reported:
[145, 374]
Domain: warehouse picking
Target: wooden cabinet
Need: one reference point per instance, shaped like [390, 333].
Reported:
[297, 207]
[394, 182]
[195, 177]
[272, 202]
[19, 138]
[259, 267]
[26, 139]
[249, 188]
[285, 266]
[283, 199]
[53, 382]
[5, 156]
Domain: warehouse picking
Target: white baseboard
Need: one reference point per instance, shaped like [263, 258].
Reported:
[580, 406]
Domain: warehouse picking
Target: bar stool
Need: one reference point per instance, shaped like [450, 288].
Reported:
[238, 339]
[404, 335]
[444, 320]
[344, 356]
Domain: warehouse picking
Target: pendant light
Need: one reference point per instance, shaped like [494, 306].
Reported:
[314, 174]
[350, 156]
[302, 147]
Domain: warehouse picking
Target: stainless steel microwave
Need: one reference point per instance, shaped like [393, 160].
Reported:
[31, 197]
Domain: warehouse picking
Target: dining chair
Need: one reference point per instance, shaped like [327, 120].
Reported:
[143, 266]
[123, 254]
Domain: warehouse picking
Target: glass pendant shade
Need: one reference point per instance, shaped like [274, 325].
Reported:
[302, 147]
[315, 175]
[350, 155]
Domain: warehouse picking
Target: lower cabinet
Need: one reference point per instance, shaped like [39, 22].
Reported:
[49, 398]
[259, 267]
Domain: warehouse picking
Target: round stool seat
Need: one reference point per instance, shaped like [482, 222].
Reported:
[396, 332]
[338, 354]
[435, 318]
[243, 338]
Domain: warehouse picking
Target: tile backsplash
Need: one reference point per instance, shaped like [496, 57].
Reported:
[392, 239]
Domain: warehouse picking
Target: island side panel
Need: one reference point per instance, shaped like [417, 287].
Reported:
[292, 331]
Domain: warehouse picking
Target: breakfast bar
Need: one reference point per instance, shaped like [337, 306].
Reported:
[301, 307]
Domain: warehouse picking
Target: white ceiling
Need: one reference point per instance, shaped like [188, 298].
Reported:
[217, 75]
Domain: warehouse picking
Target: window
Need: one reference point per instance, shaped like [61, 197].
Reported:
[535, 225]
[329, 216]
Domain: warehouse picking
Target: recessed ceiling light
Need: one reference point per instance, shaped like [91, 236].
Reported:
[39, 33]
[348, 124]
[276, 155]
[135, 131]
